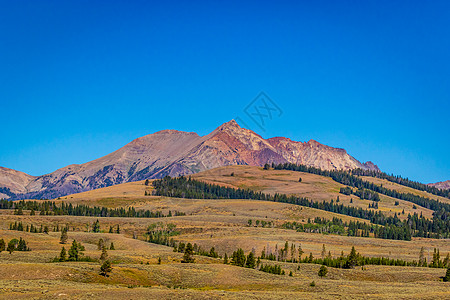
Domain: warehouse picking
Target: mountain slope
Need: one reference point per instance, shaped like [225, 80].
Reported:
[171, 152]
[443, 185]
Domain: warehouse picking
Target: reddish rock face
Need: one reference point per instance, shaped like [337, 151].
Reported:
[172, 152]
[441, 185]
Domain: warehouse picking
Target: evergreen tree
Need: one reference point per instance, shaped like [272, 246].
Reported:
[105, 268]
[100, 244]
[352, 259]
[12, 246]
[238, 258]
[63, 254]
[112, 246]
[118, 229]
[104, 254]
[447, 275]
[422, 259]
[110, 229]
[225, 259]
[250, 263]
[96, 227]
[2, 245]
[63, 238]
[188, 252]
[75, 251]
[300, 252]
[323, 271]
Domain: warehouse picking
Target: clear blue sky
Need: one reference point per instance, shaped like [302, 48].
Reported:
[79, 79]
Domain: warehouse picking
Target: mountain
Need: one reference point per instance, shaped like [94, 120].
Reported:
[443, 185]
[172, 152]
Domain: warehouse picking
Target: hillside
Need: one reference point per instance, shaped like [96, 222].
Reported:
[226, 225]
[172, 152]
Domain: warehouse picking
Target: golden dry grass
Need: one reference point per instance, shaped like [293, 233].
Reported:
[218, 223]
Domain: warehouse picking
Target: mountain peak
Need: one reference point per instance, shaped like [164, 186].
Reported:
[230, 124]
[174, 153]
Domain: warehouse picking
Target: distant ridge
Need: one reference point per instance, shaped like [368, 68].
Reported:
[443, 185]
[172, 152]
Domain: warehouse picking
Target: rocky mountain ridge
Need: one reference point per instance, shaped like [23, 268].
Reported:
[172, 152]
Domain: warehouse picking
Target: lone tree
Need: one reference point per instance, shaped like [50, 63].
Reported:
[104, 254]
[323, 271]
[447, 275]
[300, 179]
[112, 246]
[63, 238]
[106, 268]
[188, 252]
[96, 227]
[2, 245]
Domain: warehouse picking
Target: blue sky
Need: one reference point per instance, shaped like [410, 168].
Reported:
[79, 79]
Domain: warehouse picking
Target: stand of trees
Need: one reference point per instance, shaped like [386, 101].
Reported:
[14, 245]
[51, 208]
[438, 227]
[403, 181]
[347, 178]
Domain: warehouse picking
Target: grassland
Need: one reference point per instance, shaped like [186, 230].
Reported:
[220, 223]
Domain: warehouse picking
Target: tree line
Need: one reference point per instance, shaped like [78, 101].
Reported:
[403, 181]
[51, 208]
[438, 227]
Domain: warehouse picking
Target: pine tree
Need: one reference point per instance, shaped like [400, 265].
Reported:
[112, 246]
[100, 244]
[63, 254]
[238, 258]
[447, 275]
[225, 259]
[250, 263]
[118, 229]
[74, 251]
[323, 271]
[63, 238]
[324, 251]
[188, 252]
[2, 245]
[104, 254]
[12, 246]
[96, 227]
[106, 268]
[422, 259]
[300, 252]
[352, 259]
[110, 229]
